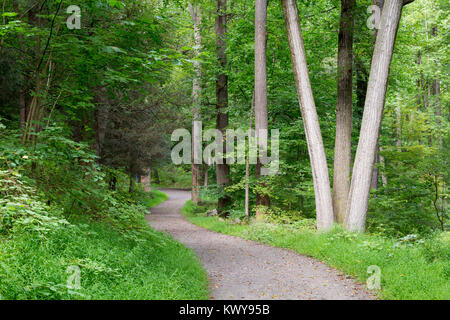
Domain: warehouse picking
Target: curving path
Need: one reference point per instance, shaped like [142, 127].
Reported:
[242, 269]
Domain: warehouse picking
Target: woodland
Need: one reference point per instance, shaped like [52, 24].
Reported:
[92, 90]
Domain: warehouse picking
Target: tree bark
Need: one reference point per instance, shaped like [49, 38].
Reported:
[373, 112]
[223, 169]
[205, 176]
[375, 172]
[322, 191]
[155, 175]
[247, 163]
[23, 81]
[261, 118]
[342, 148]
[194, 9]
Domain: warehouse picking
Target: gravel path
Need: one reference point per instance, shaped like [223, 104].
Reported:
[242, 269]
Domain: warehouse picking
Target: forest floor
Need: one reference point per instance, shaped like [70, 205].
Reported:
[243, 269]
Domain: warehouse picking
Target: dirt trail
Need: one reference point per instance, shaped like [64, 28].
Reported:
[242, 269]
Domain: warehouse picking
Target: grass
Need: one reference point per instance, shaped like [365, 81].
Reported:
[155, 197]
[114, 263]
[410, 269]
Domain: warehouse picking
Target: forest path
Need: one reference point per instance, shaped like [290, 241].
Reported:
[242, 269]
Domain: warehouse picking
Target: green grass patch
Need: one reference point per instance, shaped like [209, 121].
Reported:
[113, 265]
[155, 197]
[410, 268]
[49, 252]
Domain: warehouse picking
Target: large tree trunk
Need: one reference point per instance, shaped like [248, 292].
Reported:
[261, 120]
[342, 148]
[196, 91]
[373, 111]
[324, 207]
[223, 169]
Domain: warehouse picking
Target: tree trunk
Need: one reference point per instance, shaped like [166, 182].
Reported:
[155, 175]
[383, 166]
[132, 183]
[223, 169]
[247, 163]
[342, 148]
[398, 124]
[33, 116]
[375, 173]
[102, 115]
[196, 91]
[436, 92]
[322, 191]
[23, 82]
[373, 111]
[205, 176]
[261, 118]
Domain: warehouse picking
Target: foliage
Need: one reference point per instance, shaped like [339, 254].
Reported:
[50, 223]
[411, 268]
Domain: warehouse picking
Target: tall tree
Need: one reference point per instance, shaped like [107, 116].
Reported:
[322, 191]
[342, 149]
[373, 111]
[223, 169]
[261, 120]
[195, 12]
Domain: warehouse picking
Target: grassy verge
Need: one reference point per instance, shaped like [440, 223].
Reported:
[155, 197]
[116, 255]
[410, 268]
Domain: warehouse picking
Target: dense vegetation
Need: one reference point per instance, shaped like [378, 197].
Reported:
[411, 267]
[87, 113]
[58, 216]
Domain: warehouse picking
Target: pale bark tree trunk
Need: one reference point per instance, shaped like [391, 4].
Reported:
[261, 120]
[322, 191]
[194, 9]
[222, 170]
[247, 163]
[373, 111]
[342, 148]
[380, 4]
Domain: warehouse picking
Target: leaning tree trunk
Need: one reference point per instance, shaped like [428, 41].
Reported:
[342, 147]
[324, 207]
[223, 169]
[196, 91]
[373, 111]
[261, 121]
